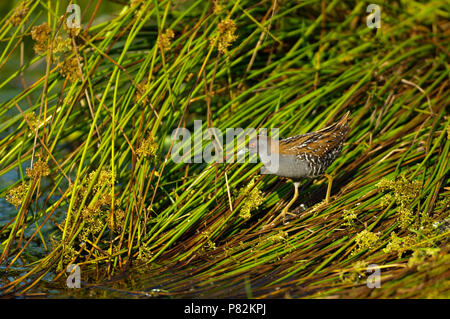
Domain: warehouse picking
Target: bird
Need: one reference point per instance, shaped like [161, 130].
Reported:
[301, 156]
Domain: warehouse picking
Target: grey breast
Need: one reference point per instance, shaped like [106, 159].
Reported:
[301, 165]
[287, 166]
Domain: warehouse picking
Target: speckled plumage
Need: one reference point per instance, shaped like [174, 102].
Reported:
[318, 149]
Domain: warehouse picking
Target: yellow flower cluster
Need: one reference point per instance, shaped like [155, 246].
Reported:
[38, 170]
[399, 244]
[365, 239]
[95, 215]
[148, 147]
[70, 69]
[105, 178]
[349, 216]
[31, 120]
[405, 217]
[217, 7]
[402, 192]
[140, 91]
[16, 195]
[62, 45]
[225, 35]
[61, 49]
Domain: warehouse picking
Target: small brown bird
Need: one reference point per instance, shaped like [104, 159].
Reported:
[306, 155]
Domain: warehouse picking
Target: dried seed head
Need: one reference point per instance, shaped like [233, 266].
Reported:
[148, 147]
[217, 7]
[70, 69]
[164, 40]
[38, 170]
[40, 35]
[62, 45]
[31, 120]
[225, 35]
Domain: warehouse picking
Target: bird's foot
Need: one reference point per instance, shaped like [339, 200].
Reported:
[285, 218]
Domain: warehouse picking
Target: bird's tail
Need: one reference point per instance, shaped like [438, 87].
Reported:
[339, 125]
[344, 119]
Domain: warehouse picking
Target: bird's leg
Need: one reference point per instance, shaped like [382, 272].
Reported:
[285, 210]
[330, 183]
